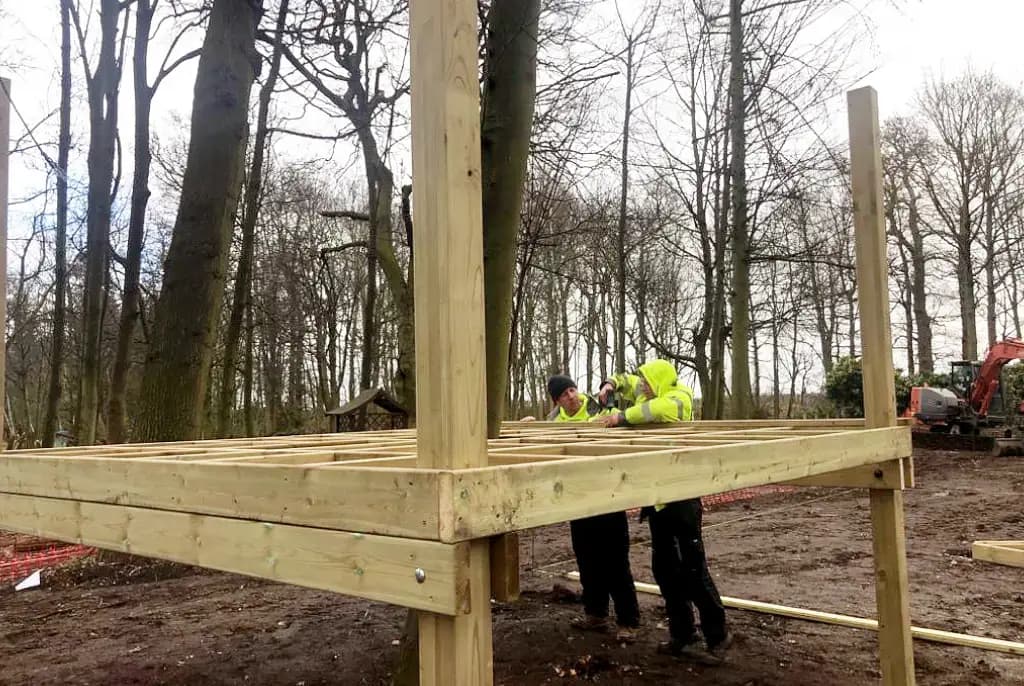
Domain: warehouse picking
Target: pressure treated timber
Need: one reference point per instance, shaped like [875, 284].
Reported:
[1010, 553]
[932, 635]
[383, 491]
[449, 304]
[492, 500]
[395, 502]
[892, 588]
[373, 567]
[894, 475]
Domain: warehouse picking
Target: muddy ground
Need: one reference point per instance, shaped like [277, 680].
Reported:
[125, 621]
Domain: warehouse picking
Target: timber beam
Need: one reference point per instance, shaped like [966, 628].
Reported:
[491, 500]
[425, 575]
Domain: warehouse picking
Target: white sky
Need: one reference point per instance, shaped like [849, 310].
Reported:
[914, 40]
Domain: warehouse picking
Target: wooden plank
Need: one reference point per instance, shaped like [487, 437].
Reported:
[395, 502]
[227, 447]
[488, 501]
[892, 588]
[890, 475]
[5, 142]
[449, 298]
[374, 567]
[1010, 553]
[933, 635]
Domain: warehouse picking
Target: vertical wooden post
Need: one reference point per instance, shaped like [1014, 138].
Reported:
[449, 297]
[891, 586]
[5, 139]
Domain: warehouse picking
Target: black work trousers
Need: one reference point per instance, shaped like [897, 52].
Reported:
[601, 545]
[681, 570]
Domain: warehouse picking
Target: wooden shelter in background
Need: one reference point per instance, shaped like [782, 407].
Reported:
[421, 519]
[372, 410]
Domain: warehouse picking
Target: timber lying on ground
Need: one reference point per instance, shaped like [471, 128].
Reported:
[1009, 553]
[933, 635]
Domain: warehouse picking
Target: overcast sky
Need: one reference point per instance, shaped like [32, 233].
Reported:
[913, 40]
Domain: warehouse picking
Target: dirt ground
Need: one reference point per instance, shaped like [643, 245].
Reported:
[126, 621]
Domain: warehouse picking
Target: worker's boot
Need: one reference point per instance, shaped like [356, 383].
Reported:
[590, 623]
[677, 647]
[718, 651]
[626, 634]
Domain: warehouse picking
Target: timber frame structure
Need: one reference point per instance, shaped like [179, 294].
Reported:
[420, 519]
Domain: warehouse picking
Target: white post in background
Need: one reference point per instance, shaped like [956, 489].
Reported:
[5, 151]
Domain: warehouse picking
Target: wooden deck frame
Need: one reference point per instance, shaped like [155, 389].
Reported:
[405, 516]
[554, 483]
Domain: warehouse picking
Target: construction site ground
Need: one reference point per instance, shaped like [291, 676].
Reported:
[119, 620]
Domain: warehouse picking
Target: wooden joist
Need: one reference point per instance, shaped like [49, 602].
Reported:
[374, 567]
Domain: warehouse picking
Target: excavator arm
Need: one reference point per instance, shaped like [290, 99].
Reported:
[985, 386]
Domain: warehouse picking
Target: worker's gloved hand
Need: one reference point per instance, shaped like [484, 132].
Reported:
[611, 420]
[606, 390]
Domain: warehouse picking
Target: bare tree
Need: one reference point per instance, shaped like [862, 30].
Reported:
[102, 84]
[178, 363]
[130, 302]
[243, 274]
[56, 387]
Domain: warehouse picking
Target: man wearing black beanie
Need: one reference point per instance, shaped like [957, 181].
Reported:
[600, 543]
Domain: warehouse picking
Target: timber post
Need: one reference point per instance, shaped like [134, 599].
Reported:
[887, 520]
[449, 302]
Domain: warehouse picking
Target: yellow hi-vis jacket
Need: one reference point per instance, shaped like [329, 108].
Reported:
[589, 407]
[672, 401]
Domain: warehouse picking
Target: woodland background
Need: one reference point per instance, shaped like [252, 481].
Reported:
[685, 195]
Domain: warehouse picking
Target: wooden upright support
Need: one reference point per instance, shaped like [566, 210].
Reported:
[896, 646]
[5, 139]
[449, 297]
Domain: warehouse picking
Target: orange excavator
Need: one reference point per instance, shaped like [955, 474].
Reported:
[974, 402]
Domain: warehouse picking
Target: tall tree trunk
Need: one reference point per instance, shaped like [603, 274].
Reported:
[370, 345]
[509, 90]
[1014, 283]
[908, 307]
[620, 233]
[741, 402]
[136, 223]
[102, 87]
[990, 268]
[247, 374]
[178, 364]
[719, 328]
[968, 303]
[918, 260]
[250, 213]
[60, 240]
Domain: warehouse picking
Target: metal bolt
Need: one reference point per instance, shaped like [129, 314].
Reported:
[421, 575]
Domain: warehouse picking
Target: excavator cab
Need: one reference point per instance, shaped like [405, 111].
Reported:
[962, 375]
[962, 378]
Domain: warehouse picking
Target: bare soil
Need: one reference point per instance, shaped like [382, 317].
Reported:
[119, 620]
